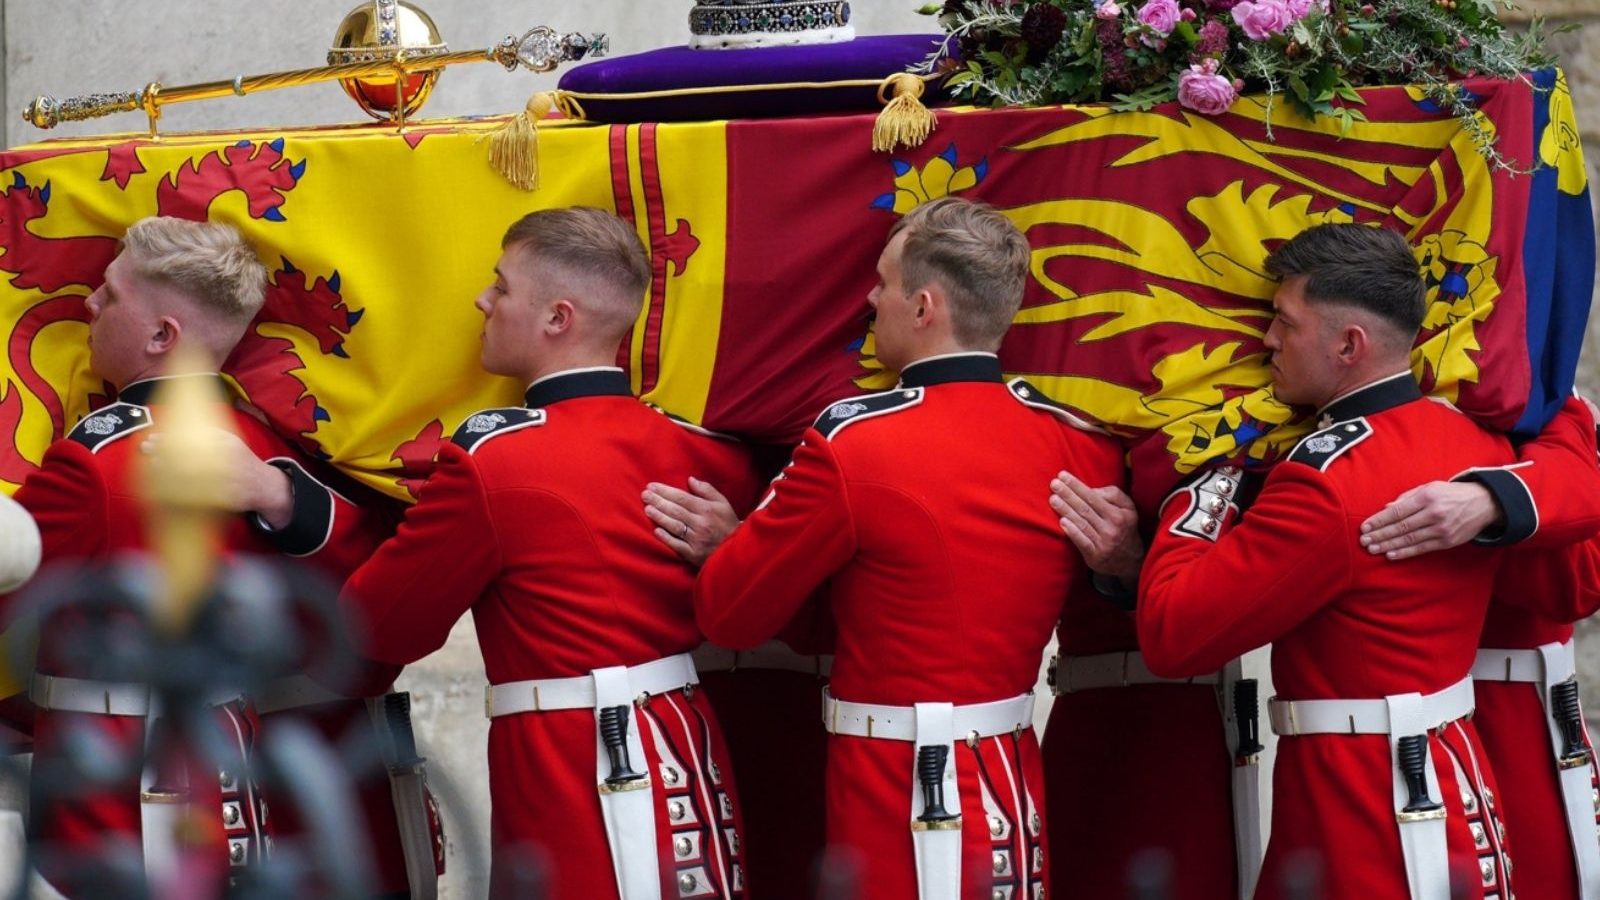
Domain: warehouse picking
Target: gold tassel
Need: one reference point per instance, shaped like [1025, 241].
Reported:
[904, 119]
[514, 146]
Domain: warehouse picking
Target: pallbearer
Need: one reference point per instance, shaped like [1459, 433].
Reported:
[922, 507]
[606, 766]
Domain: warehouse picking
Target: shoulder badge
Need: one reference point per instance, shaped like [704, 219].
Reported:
[681, 422]
[868, 406]
[1319, 449]
[481, 426]
[109, 424]
[1029, 395]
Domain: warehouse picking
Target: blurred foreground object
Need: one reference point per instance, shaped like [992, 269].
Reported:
[19, 545]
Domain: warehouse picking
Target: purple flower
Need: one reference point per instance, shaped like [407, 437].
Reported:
[1161, 16]
[1261, 19]
[1115, 72]
[1213, 39]
[1302, 8]
[1205, 91]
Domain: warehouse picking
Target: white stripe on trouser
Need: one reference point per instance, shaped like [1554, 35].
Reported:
[630, 815]
[1422, 841]
[1246, 790]
[1577, 796]
[938, 850]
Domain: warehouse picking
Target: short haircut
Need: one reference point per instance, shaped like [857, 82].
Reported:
[209, 262]
[976, 254]
[591, 245]
[1371, 269]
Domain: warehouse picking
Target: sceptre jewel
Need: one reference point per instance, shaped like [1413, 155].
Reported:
[386, 53]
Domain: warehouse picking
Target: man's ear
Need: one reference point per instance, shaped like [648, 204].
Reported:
[1355, 344]
[168, 332]
[930, 306]
[559, 317]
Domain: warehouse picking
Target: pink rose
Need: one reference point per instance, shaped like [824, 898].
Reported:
[1302, 8]
[1108, 10]
[1261, 19]
[1205, 91]
[1161, 16]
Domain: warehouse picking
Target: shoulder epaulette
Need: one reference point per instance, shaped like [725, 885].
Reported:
[1319, 449]
[681, 422]
[868, 406]
[1032, 396]
[109, 424]
[489, 423]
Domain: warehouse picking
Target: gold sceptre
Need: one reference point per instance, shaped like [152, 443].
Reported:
[539, 49]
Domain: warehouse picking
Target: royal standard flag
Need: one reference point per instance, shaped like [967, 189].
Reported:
[1145, 311]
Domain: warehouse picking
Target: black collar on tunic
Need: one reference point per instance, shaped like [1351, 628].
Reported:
[139, 392]
[1374, 398]
[945, 369]
[585, 383]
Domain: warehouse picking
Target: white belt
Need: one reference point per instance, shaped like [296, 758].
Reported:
[1523, 665]
[1544, 668]
[669, 673]
[899, 723]
[1298, 717]
[771, 655]
[294, 692]
[1087, 673]
[106, 698]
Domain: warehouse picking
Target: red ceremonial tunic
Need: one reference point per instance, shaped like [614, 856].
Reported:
[532, 520]
[1344, 624]
[923, 508]
[1134, 769]
[85, 499]
[779, 752]
[1542, 589]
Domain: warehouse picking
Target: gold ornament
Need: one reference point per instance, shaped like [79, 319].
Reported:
[379, 30]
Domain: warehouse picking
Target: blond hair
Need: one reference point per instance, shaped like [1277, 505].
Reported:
[208, 262]
[595, 250]
[976, 255]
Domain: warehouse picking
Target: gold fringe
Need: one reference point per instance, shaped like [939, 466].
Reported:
[904, 119]
[514, 146]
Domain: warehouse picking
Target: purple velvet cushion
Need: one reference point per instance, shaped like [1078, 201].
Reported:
[602, 87]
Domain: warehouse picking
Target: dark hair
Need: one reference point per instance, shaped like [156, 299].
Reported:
[1372, 269]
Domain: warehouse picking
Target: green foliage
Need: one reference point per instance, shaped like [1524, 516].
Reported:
[1312, 55]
